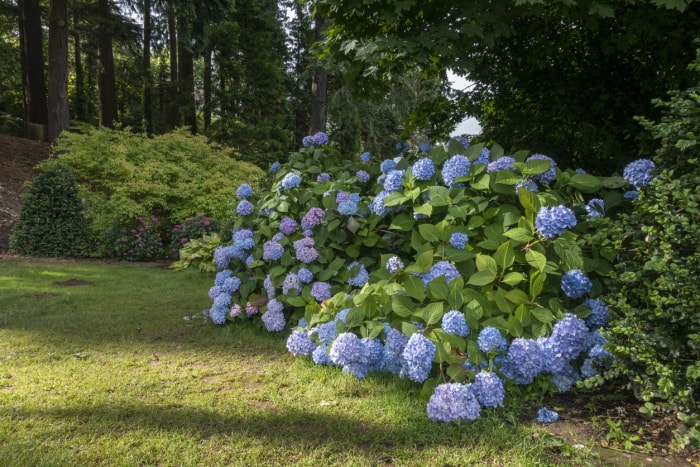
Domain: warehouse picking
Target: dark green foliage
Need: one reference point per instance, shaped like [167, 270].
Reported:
[655, 293]
[51, 222]
[134, 241]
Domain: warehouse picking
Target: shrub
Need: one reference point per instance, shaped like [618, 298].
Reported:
[198, 252]
[125, 176]
[655, 291]
[196, 227]
[405, 274]
[135, 241]
[51, 221]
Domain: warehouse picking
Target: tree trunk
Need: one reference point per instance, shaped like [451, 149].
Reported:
[207, 88]
[186, 75]
[107, 83]
[80, 97]
[173, 114]
[147, 104]
[319, 83]
[58, 118]
[35, 104]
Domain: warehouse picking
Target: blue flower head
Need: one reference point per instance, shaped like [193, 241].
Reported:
[550, 174]
[502, 163]
[441, 268]
[632, 194]
[321, 291]
[599, 314]
[484, 157]
[395, 340]
[453, 322]
[456, 166]
[638, 173]
[272, 251]
[424, 169]
[453, 402]
[244, 191]
[323, 177]
[347, 208]
[377, 204]
[596, 208]
[273, 319]
[524, 360]
[394, 180]
[394, 264]
[575, 284]
[528, 184]
[299, 344]
[288, 225]
[488, 389]
[222, 276]
[346, 349]
[312, 218]
[551, 222]
[305, 275]
[307, 141]
[568, 337]
[231, 285]
[459, 240]
[291, 180]
[291, 283]
[320, 138]
[269, 286]
[326, 332]
[490, 339]
[424, 147]
[275, 167]
[362, 176]
[320, 356]
[418, 357]
[245, 208]
[544, 415]
[362, 276]
[387, 166]
[365, 157]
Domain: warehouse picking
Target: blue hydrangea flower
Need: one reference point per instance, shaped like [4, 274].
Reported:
[594, 338]
[484, 157]
[548, 176]
[580, 171]
[632, 194]
[291, 282]
[461, 139]
[275, 167]
[221, 276]
[459, 240]
[272, 251]
[377, 204]
[305, 275]
[326, 332]
[402, 147]
[373, 353]
[490, 339]
[391, 362]
[387, 166]
[638, 173]
[312, 218]
[245, 208]
[218, 314]
[288, 225]
[215, 291]
[320, 138]
[554, 361]
[453, 402]
[269, 286]
[347, 208]
[424, 147]
[596, 207]
[423, 169]
[320, 356]
[307, 141]
[544, 415]
[321, 291]
[575, 284]
[362, 176]
[528, 184]
[502, 163]
[453, 322]
[365, 157]
[222, 257]
[273, 319]
[394, 264]
[566, 378]
[418, 357]
[599, 314]
[346, 349]
[299, 344]
[394, 180]
[242, 236]
[524, 360]
[488, 389]
[244, 191]
[395, 340]
[456, 166]
[306, 254]
[441, 268]
[568, 337]
[551, 222]
[342, 315]
[362, 276]
[231, 285]
[323, 177]
[291, 180]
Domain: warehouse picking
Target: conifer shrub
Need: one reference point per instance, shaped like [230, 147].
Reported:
[51, 221]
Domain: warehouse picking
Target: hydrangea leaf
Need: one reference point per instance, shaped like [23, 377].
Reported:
[513, 278]
[402, 306]
[415, 288]
[482, 182]
[439, 196]
[437, 289]
[585, 183]
[481, 278]
[529, 201]
[536, 259]
[536, 284]
[536, 166]
[504, 256]
[517, 296]
[543, 315]
[486, 263]
[457, 373]
[519, 234]
[402, 222]
[429, 232]
[432, 313]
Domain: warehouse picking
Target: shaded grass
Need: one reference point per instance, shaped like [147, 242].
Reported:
[125, 371]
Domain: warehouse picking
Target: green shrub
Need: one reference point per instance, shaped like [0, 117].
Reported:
[655, 291]
[51, 222]
[135, 241]
[196, 227]
[126, 176]
[199, 253]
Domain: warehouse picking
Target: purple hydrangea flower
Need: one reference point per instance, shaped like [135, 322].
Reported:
[524, 360]
[326, 332]
[490, 339]
[321, 291]
[251, 309]
[269, 286]
[305, 276]
[575, 284]
[245, 208]
[484, 157]
[502, 163]
[387, 166]
[394, 264]
[307, 141]
[323, 177]
[423, 169]
[222, 276]
[418, 357]
[288, 225]
[549, 175]
[299, 344]
[488, 389]
[456, 166]
[235, 310]
[441, 268]
[305, 251]
[528, 184]
[596, 208]
[291, 180]
[638, 173]
[544, 415]
[459, 240]
[312, 218]
[453, 402]
[291, 282]
[244, 191]
[362, 276]
[551, 222]
[320, 356]
[320, 138]
[215, 291]
[599, 314]
[362, 176]
[272, 251]
[453, 322]
[273, 319]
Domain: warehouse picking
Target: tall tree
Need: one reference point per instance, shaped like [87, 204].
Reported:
[147, 101]
[319, 83]
[35, 94]
[58, 117]
[107, 78]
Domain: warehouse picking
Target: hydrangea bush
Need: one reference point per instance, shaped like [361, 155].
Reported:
[458, 267]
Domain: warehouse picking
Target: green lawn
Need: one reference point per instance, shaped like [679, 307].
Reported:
[125, 371]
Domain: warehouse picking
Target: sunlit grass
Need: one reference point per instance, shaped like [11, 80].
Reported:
[125, 371]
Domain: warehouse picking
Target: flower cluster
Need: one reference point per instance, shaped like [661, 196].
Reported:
[273, 318]
[575, 284]
[244, 191]
[459, 240]
[245, 208]
[312, 218]
[638, 173]
[441, 268]
[300, 344]
[596, 207]
[291, 180]
[455, 167]
[453, 402]
[489, 389]
[423, 169]
[418, 354]
[305, 251]
[490, 339]
[548, 176]
[394, 264]
[195, 227]
[551, 222]
[362, 276]
[321, 291]
[453, 322]
[502, 163]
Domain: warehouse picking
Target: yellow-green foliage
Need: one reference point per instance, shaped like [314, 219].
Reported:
[124, 175]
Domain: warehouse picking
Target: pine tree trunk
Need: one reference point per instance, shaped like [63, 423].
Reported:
[207, 88]
[173, 113]
[186, 75]
[79, 97]
[108, 84]
[35, 104]
[58, 118]
[147, 103]
[318, 84]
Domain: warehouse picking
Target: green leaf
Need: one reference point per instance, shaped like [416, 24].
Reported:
[437, 289]
[457, 373]
[402, 222]
[429, 232]
[482, 183]
[408, 328]
[543, 315]
[424, 261]
[395, 198]
[425, 209]
[486, 263]
[297, 302]
[415, 288]
[529, 200]
[513, 278]
[536, 285]
[432, 314]
[536, 166]
[402, 306]
[517, 297]
[536, 259]
[586, 183]
[454, 298]
[519, 234]
[355, 317]
[504, 256]
[481, 278]
[439, 196]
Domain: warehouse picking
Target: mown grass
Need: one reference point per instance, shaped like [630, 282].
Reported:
[125, 371]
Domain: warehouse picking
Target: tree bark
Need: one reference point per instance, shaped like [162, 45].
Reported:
[186, 75]
[58, 118]
[35, 93]
[107, 83]
[319, 83]
[147, 101]
[173, 114]
[79, 98]
[207, 88]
